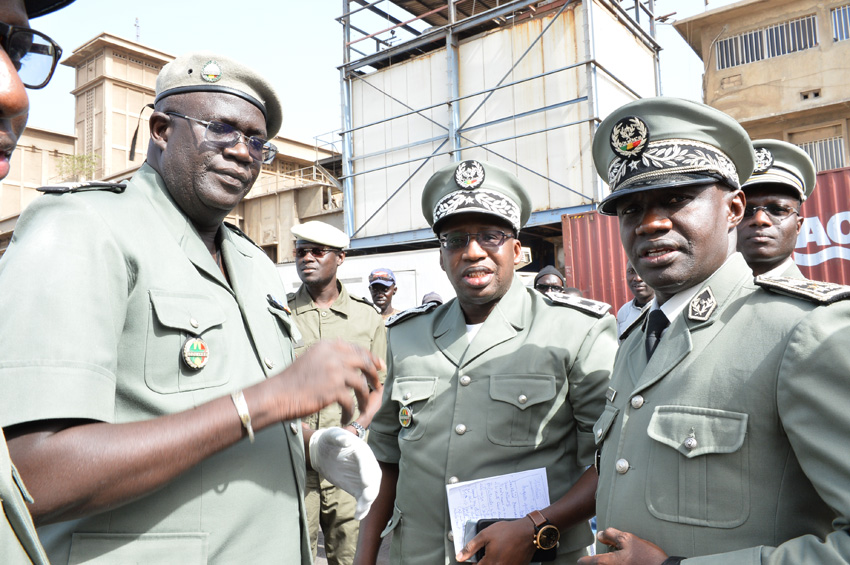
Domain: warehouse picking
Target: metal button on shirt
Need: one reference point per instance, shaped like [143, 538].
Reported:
[269, 363]
[690, 443]
[450, 536]
[294, 427]
[522, 399]
[460, 429]
[324, 314]
[407, 396]
[637, 401]
[453, 480]
[622, 466]
[193, 322]
[465, 380]
[599, 433]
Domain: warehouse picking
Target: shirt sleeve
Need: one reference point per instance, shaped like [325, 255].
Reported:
[383, 433]
[63, 291]
[589, 377]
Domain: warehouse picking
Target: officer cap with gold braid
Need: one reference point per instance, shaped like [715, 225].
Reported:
[203, 71]
[475, 187]
[783, 165]
[664, 142]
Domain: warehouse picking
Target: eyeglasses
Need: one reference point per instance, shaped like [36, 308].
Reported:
[488, 239]
[225, 136]
[317, 252]
[776, 212]
[544, 288]
[34, 54]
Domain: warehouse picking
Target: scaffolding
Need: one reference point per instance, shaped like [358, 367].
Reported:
[525, 84]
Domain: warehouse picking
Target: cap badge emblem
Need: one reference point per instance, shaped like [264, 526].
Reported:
[469, 175]
[211, 72]
[702, 306]
[764, 160]
[196, 353]
[629, 137]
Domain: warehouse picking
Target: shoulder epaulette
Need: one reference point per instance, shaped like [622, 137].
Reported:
[586, 305]
[635, 323]
[290, 296]
[364, 300]
[410, 313]
[117, 187]
[819, 292]
[241, 233]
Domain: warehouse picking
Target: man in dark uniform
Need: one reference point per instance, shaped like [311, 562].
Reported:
[30, 68]
[487, 384]
[724, 438]
[144, 340]
[783, 178]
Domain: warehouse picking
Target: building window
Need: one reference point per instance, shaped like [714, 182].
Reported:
[841, 23]
[826, 153]
[773, 41]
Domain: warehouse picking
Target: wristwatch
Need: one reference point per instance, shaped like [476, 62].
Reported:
[358, 429]
[546, 535]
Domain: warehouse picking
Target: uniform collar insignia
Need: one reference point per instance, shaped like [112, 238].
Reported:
[702, 306]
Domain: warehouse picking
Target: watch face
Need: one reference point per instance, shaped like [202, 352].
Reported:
[548, 537]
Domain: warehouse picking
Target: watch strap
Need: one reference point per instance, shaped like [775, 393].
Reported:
[538, 519]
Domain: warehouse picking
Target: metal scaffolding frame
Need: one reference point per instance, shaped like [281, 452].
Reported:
[356, 65]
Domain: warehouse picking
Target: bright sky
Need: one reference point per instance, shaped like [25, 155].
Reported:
[297, 43]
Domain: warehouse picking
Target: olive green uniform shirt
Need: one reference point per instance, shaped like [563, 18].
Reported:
[350, 318]
[732, 445]
[99, 292]
[523, 394]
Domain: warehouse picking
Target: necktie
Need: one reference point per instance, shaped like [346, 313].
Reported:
[655, 325]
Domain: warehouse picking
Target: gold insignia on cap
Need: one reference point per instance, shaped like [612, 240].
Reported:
[629, 137]
[211, 72]
[702, 306]
[764, 160]
[469, 175]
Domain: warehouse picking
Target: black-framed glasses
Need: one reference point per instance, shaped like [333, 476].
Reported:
[34, 54]
[224, 136]
[317, 252]
[544, 288]
[777, 213]
[488, 239]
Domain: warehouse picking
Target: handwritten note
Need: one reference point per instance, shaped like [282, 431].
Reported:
[504, 496]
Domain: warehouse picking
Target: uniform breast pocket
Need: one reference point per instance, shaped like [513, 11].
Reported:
[698, 466]
[415, 397]
[174, 318]
[522, 407]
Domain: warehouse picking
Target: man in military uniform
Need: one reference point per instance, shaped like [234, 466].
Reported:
[724, 438]
[18, 539]
[382, 287]
[487, 384]
[323, 309]
[783, 178]
[144, 340]
[643, 295]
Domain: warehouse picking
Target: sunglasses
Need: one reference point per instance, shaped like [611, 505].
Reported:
[317, 252]
[544, 288]
[776, 212]
[34, 54]
[488, 239]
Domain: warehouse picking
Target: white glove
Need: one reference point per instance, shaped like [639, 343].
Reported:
[347, 462]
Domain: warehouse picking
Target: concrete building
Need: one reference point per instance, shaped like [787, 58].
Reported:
[115, 79]
[782, 69]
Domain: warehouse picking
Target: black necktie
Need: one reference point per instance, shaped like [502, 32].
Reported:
[655, 325]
